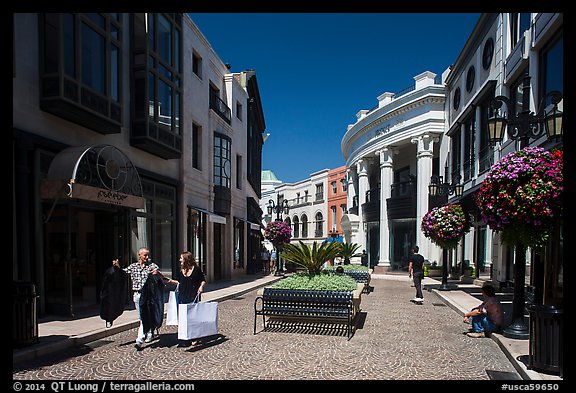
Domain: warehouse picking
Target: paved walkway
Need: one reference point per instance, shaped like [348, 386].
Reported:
[58, 335]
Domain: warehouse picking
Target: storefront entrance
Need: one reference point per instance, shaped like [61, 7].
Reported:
[402, 239]
[79, 245]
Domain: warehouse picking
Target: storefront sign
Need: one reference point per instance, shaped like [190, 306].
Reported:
[59, 189]
[89, 193]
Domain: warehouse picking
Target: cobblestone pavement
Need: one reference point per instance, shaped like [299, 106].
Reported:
[395, 340]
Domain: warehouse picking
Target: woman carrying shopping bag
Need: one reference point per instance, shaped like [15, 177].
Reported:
[190, 282]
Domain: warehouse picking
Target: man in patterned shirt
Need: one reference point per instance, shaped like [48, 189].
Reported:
[139, 272]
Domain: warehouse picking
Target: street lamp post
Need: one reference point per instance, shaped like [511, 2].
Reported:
[523, 126]
[278, 208]
[438, 186]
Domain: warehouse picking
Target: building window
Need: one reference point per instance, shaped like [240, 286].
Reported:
[344, 185]
[218, 105]
[519, 23]
[333, 212]
[222, 160]
[517, 93]
[296, 223]
[197, 236]
[80, 69]
[238, 171]
[469, 138]
[239, 110]
[304, 220]
[319, 230]
[197, 64]
[196, 146]
[487, 53]
[342, 210]
[470, 77]
[334, 189]
[455, 152]
[319, 191]
[157, 84]
[485, 153]
[552, 67]
[456, 99]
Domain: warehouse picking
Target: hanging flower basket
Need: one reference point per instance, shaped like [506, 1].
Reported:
[446, 225]
[522, 196]
[278, 233]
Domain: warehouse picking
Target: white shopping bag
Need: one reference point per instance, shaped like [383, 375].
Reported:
[172, 310]
[197, 320]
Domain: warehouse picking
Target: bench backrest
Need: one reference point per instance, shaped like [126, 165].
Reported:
[318, 298]
[361, 276]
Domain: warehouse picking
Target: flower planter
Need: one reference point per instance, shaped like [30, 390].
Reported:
[356, 300]
[434, 272]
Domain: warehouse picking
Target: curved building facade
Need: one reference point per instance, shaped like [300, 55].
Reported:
[391, 152]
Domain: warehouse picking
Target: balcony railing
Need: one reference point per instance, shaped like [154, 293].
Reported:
[220, 107]
[403, 189]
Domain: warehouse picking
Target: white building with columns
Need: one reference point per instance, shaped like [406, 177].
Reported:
[391, 152]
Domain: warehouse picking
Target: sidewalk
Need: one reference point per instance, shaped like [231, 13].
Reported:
[461, 299]
[58, 334]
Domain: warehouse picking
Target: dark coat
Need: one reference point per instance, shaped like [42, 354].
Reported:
[152, 303]
[114, 294]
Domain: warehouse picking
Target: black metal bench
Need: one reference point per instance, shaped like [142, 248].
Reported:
[309, 305]
[360, 276]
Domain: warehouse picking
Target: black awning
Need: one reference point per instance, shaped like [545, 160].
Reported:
[101, 173]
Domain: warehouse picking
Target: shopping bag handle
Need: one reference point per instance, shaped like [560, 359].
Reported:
[196, 298]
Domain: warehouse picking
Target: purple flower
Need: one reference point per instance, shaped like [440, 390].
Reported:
[522, 193]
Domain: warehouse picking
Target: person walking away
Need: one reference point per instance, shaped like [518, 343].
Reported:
[265, 258]
[139, 272]
[190, 281]
[488, 316]
[273, 256]
[416, 270]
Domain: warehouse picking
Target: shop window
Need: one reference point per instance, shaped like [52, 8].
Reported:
[196, 238]
[238, 243]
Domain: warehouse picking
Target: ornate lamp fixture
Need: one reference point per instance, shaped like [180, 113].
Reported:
[525, 124]
[439, 187]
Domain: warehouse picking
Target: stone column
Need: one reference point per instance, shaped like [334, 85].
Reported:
[424, 154]
[351, 189]
[363, 187]
[386, 180]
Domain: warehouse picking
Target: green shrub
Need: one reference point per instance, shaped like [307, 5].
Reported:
[310, 257]
[321, 281]
[347, 267]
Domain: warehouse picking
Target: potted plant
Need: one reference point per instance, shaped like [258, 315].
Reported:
[278, 233]
[446, 225]
[310, 258]
[348, 251]
[521, 197]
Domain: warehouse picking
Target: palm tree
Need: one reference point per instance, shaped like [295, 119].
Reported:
[348, 251]
[311, 258]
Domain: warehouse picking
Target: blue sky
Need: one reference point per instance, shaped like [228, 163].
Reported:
[316, 71]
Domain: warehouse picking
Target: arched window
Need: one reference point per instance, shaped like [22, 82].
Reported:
[318, 232]
[296, 223]
[304, 220]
